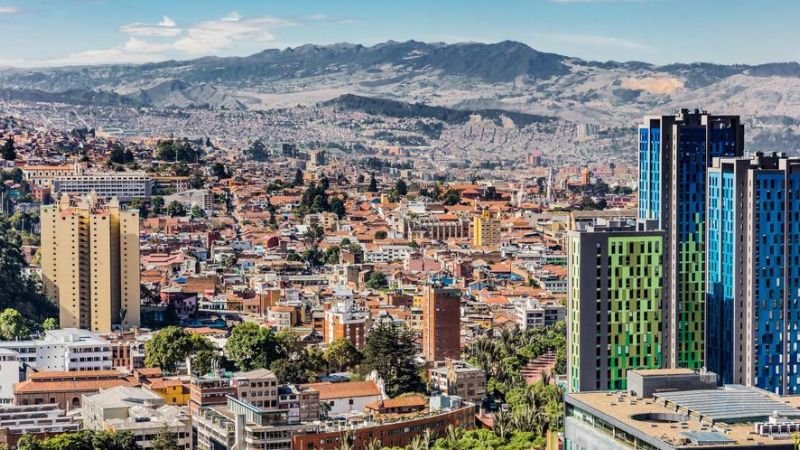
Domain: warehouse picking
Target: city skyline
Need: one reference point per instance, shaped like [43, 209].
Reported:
[50, 32]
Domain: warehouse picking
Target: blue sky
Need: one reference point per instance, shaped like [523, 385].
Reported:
[60, 32]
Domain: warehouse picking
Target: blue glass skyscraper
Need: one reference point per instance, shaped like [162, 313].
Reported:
[674, 155]
[754, 272]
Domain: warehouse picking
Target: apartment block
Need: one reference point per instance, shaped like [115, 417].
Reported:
[90, 263]
[485, 230]
[441, 331]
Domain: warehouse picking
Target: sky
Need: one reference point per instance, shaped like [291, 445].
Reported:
[70, 32]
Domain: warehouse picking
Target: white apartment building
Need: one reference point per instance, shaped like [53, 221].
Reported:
[67, 349]
[122, 185]
[9, 374]
[533, 313]
[387, 253]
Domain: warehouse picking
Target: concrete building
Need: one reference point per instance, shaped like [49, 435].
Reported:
[674, 409]
[66, 388]
[675, 152]
[122, 185]
[43, 176]
[441, 332]
[614, 306]
[41, 421]
[193, 197]
[345, 321]
[10, 374]
[138, 411]
[459, 378]
[534, 313]
[485, 230]
[90, 263]
[343, 398]
[753, 277]
[66, 349]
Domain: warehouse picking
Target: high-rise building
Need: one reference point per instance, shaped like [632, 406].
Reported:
[485, 230]
[344, 320]
[441, 331]
[753, 285]
[90, 263]
[614, 305]
[674, 155]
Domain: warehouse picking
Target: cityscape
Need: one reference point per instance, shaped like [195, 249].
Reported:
[227, 227]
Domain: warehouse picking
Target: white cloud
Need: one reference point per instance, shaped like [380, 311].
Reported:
[135, 45]
[214, 35]
[166, 28]
[10, 9]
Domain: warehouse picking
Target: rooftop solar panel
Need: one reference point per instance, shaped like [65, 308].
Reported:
[730, 404]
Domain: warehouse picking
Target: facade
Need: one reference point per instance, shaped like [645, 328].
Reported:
[344, 321]
[674, 154]
[137, 411]
[10, 366]
[43, 176]
[90, 263]
[614, 306]
[674, 409]
[122, 185]
[66, 349]
[534, 313]
[485, 230]
[441, 332]
[753, 285]
[343, 398]
[461, 379]
[65, 388]
[41, 421]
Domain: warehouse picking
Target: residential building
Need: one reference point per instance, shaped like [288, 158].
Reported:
[674, 409]
[259, 387]
[40, 421]
[342, 398]
[674, 155]
[485, 230]
[302, 402]
[441, 332]
[90, 263]
[614, 305]
[459, 378]
[535, 313]
[137, 411]
[10, 372]
[753, 280]
[67, 349]
[345, 321]
[122, 185]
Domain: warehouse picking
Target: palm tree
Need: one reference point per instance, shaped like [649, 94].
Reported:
[502, 424]
[452, 435]
[416, 443]
[347, 441]
[427, 437]
[373, 444]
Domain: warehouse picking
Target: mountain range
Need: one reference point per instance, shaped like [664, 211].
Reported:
[507, 76]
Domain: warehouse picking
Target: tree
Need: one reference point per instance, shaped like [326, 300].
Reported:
[298, 178]
[81, 440]
[257, 151]
[171, 345]
[390, 350]
[196, 180]
[157, 204]
[165, 440]
[176, 209]
[117, 155]
[337, 207]
[16, 291]
[220, 171]
[50, 324]
[451, 197]
[381, 235]
[9, 153]
[360, 178]
[401, 187]
[373, 183]
[196, 212]
[13, 325]
[251, 346]
[377, 280]
[341, 354]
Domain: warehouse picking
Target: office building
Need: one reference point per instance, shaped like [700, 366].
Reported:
[674, 154]
[614, 305]
[441, 331]
[674, 409]
[107, 185]
[459, 378]
[485, 230]
[753, 285]
[90, 263]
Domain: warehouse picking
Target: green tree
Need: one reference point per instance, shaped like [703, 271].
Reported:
[381, 235]
[257, 151]
[81, 440]
[176, 209]
[165, 440]
[251, 346]
[298, 178]
[196, 212]
[338, 208]
[390, 350]
[157, 204]
[451, 197]
[341, 354]
[171, 345]
[401, 187]
[13, 325]
[16, 291]
[50, 324]
[373, 183]
[9, 152]
[377, 280]
[220, 171]
[360, 178]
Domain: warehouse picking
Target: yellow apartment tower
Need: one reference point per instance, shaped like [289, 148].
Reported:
[485, 230]
[90, 263]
